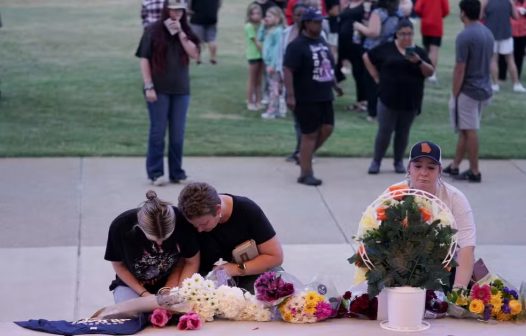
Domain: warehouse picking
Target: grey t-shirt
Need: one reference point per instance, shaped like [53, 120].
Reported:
[474, 47]
[497, 18]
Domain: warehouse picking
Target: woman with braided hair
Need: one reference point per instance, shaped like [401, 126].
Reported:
[150, 247]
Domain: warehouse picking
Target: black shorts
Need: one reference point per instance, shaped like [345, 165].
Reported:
[431, 40]
[310, 116]
[255, 61]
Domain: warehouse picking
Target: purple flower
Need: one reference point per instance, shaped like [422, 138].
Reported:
[323, 311]
[271, 287]
[514, 294]
[506, 308]
[506, 290]
[505, 300]
[487, 312]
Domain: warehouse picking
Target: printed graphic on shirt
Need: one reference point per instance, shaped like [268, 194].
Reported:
[152, 266]
[322, 71]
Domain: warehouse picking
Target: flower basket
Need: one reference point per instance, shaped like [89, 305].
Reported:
[406, 238]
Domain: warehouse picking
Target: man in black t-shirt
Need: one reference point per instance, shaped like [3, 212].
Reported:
[309, 80]
[204, 16]
[224, 222]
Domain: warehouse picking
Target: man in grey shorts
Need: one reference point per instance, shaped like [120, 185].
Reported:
[204, 14]
[471, 88]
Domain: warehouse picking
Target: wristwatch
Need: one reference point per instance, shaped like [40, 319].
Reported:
[148, 86]
[242, 268]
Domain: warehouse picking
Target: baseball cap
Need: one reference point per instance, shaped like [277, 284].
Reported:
[312, 14]
[176, 4]
[426, 149]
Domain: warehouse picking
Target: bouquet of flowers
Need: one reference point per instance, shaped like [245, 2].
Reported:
[235, 304]
[305, 307]
[271, 288]
[407, 239]
[201, 295]
[493, 300]
[361, 306]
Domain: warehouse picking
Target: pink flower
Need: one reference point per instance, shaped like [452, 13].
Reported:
[160, 317]
[323, 310]
[481, 292]
[189, 321]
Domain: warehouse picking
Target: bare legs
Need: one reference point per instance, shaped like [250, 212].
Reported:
[309, 144]
[468, 143]
[255, 72]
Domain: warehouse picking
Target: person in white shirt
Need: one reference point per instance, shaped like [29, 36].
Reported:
[424, 171]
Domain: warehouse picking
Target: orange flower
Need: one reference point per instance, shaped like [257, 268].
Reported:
[380, 214]
[426, 214]
[395, 188]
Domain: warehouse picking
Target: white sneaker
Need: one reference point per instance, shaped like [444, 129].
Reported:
[433, 79]
[495, 87]
[267, 115]
[252, 107]
[517, 87]
[159, 181]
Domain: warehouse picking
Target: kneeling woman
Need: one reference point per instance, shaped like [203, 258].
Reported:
[145, 245]
[225, 221]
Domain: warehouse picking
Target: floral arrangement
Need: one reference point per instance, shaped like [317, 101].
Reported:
[305, 307]
[234, 304]
[405, 239]
[361, 306]
[487, 301]
[271, 288]
[201, 295]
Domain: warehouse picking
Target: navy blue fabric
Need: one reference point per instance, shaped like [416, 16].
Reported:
[88, 326]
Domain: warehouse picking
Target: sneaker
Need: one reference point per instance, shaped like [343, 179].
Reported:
[370, 119]
[495, 87]
[309, 180]
[178, 179]
[433, 79]
[468, 176]
[517, 87]
[293, 158]
[158, 181]
[264, 100]
[399, 167]
[450, 170]
[252, 107]
[374, 168]
[267, 115]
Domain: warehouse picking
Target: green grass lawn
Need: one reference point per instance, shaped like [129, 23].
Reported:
[71, 86]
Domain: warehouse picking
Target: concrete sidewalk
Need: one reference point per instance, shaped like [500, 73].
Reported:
[55, 214]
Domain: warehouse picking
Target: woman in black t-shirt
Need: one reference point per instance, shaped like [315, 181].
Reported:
[225, 221]
[399, 68]
[145, 245]
[164, 51]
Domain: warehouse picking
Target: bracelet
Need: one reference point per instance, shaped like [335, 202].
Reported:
[144, 291]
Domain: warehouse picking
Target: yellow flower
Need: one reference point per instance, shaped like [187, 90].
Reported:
[310, 310]
[496, 302]
[476, 306]
[515, 307]
[367, 223]
[503, 317]
[462, 300]
[359, 275]
[287, 316]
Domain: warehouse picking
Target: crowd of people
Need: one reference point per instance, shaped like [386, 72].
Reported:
[296, 51]
[299, 52]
